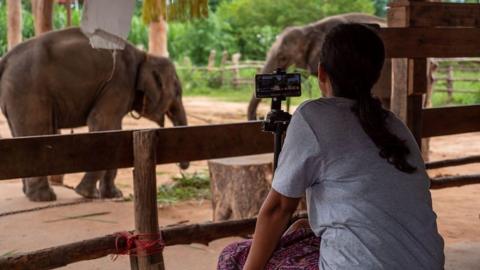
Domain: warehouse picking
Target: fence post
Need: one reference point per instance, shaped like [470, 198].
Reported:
[222, 66]
[211, 60]
[450, 83]
[236, 69]
[145, 197]
[187, 63]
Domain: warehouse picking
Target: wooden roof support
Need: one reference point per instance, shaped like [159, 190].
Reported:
[412, 42]
[433, 14]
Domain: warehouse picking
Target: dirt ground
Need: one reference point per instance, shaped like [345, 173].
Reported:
[458, 209]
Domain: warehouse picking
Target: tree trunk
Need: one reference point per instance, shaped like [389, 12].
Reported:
[68, 8]
[42, 13]
[239, 185]
[14, 15]
[157, 38]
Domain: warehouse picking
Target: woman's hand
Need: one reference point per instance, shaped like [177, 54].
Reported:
[272, 221]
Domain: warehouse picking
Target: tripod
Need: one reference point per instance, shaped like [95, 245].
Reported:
[277, 122]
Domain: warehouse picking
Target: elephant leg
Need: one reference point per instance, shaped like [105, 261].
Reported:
[107, 185]
[88, 186]
[56, 179]
[21, 124]
[38, 190]
[104, 116]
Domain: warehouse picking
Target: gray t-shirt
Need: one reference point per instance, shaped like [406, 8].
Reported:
[368, 214]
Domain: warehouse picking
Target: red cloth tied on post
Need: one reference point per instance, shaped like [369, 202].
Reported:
[139, 244]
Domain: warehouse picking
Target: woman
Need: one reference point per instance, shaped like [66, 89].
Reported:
[366, 185]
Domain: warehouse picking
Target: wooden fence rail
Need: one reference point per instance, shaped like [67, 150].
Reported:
[58, 154]
[446, 73]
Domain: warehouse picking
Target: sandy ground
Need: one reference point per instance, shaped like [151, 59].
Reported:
[458, 209]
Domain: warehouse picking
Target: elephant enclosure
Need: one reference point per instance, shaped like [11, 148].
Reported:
[417, 30]
[457, 208]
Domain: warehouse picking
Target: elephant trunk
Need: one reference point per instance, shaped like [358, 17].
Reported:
[178, 116]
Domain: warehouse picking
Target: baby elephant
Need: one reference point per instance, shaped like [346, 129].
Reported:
[58, 80]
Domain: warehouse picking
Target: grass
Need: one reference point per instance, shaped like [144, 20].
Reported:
[198, 83]
[202, 84]
[441, 98]
[185, 187]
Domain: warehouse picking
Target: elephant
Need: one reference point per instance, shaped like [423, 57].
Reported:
[57, 80]
[300, 46]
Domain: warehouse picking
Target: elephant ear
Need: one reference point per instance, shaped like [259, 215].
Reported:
[313, 54]
[150, 83]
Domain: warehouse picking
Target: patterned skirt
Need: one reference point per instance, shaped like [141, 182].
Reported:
[296, 250]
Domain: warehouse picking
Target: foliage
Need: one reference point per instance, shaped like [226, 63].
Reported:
[28, 30]
[138, 33]
[458, 98]
[174, 10]
[283, 13]
[196, 38]
[187, 186]
[254, 24]
[380, 7]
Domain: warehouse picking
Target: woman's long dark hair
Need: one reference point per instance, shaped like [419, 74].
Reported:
[353, 56]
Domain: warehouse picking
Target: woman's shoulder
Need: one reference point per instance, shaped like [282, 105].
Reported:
[324, 107]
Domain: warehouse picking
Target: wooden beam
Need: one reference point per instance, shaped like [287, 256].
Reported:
[59, 154]
[452, 162]
[454, 181]
[414, 116]
[398, 103]
[435, 14]
[215, 141]
[450, 120]
[99, 247]
[431, 42]
[145, 200]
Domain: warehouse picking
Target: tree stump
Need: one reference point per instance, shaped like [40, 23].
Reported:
[239, 185]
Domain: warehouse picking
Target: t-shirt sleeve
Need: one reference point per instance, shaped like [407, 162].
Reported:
[298, 162]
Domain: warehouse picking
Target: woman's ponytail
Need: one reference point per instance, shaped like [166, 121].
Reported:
[373, 119]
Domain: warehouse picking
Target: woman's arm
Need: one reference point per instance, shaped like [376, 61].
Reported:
[272, 221]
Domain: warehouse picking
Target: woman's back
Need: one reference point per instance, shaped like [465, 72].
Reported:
[369, 214]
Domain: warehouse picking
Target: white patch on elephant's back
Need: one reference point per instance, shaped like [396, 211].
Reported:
[107, 23]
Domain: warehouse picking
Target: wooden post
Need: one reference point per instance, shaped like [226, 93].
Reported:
[68, 7]
[417, 88]
[222, 66]
[42, 12]
[409, 83]
[145, 196]
[236, 69]
[449, 83]
[398, 98]
[211, 60]
[14, 23]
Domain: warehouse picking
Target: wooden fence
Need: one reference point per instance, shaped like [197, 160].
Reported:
[142, 149]
[33, 156]
[445, 72]
[230, 69]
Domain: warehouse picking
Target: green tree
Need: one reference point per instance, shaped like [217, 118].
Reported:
[380, 7]
[283, 13]
[255, 23]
